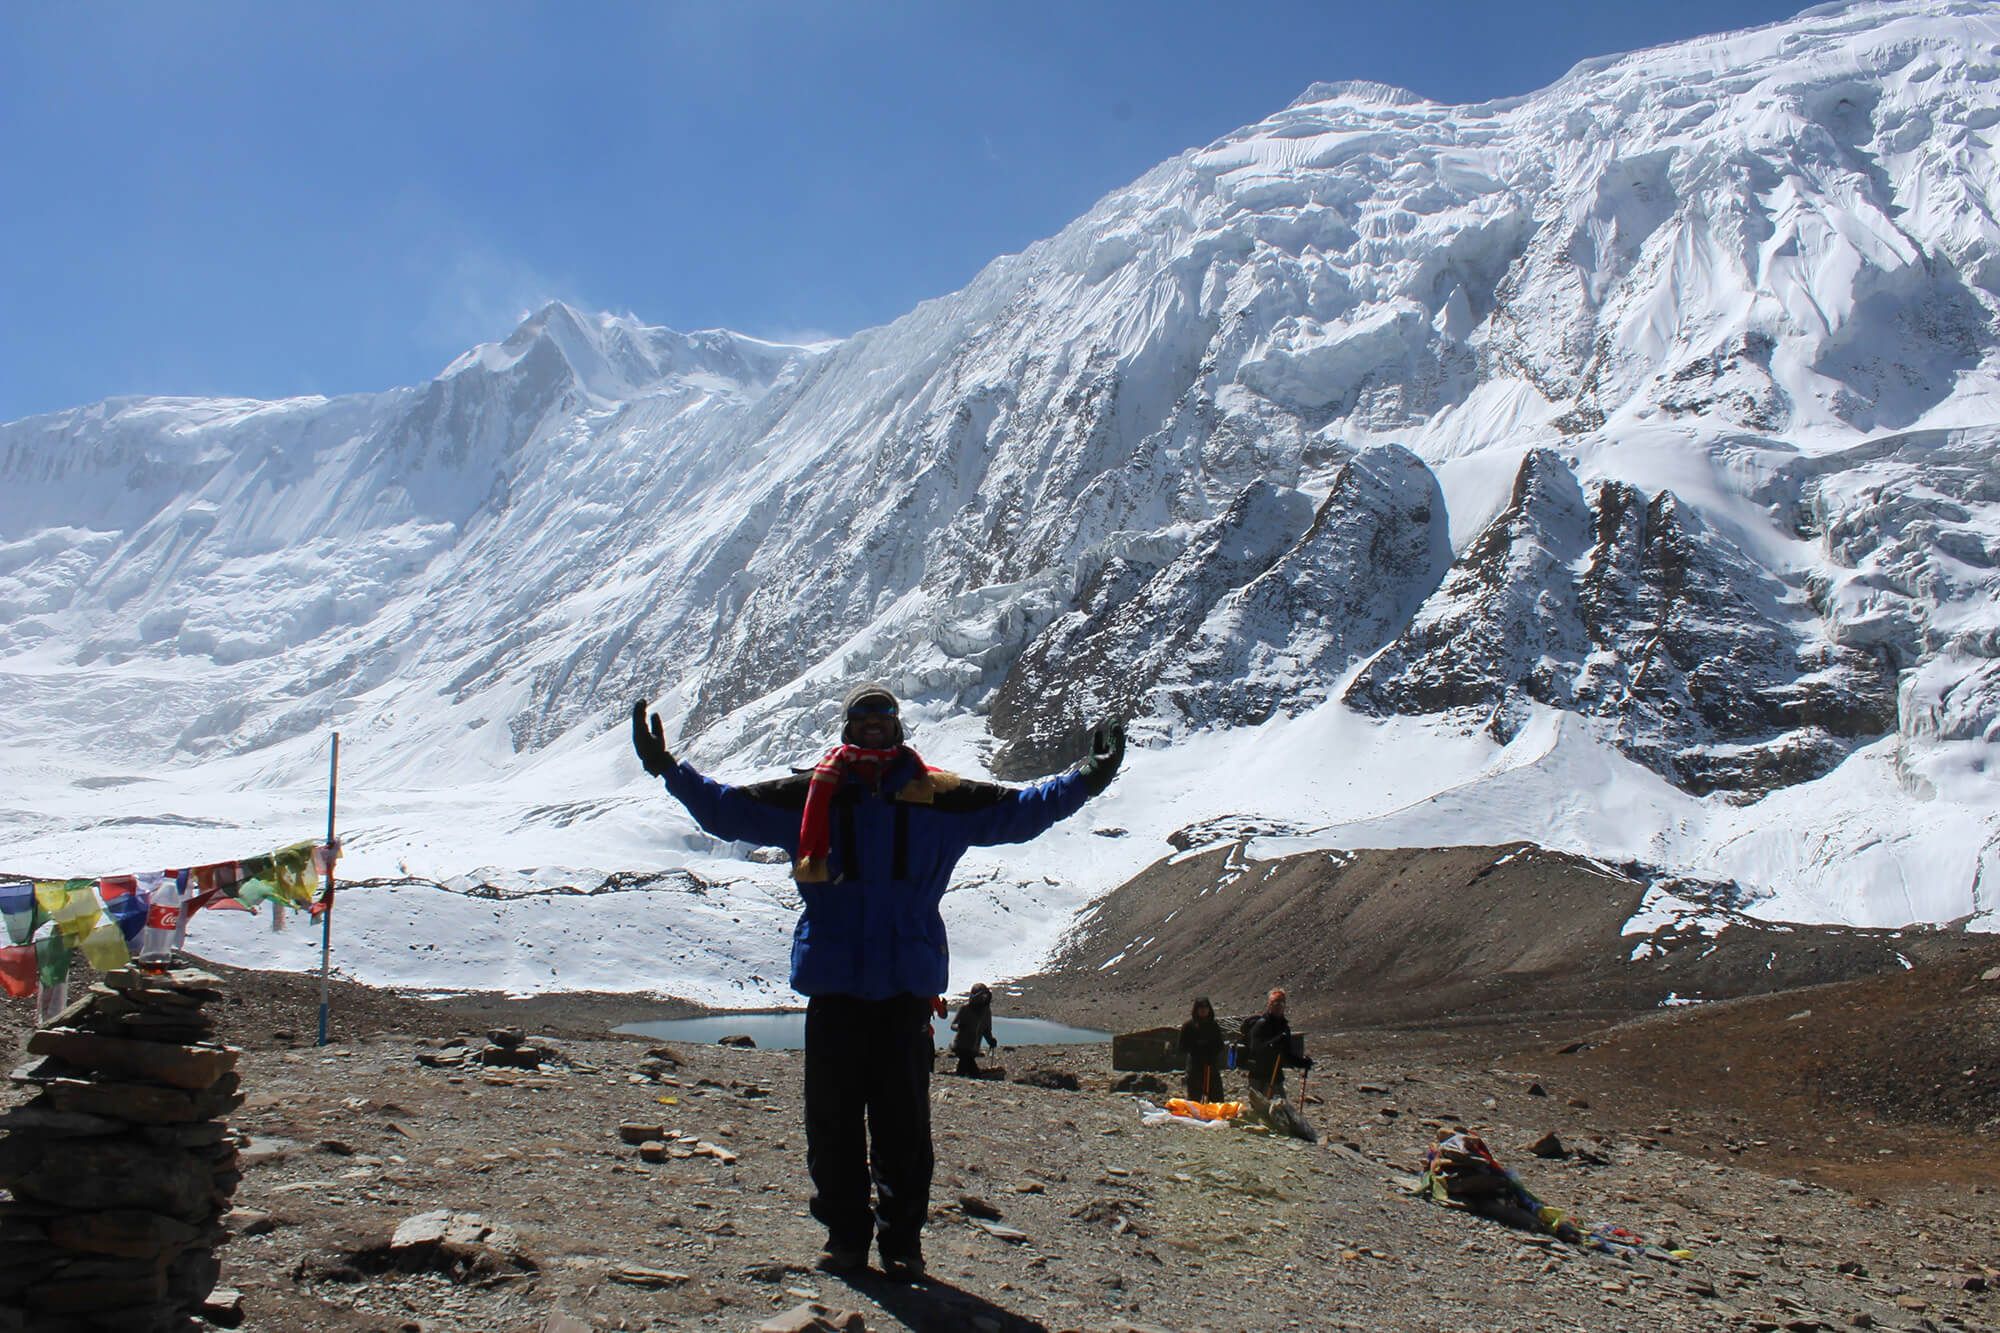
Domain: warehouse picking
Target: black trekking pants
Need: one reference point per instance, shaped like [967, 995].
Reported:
[868, 1115]
[1204, 1081]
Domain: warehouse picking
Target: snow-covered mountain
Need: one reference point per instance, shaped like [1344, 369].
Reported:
[1616, 466]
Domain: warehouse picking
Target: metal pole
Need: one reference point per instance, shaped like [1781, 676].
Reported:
[326, 916]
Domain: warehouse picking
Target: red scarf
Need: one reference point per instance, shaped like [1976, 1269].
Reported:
[815, 828]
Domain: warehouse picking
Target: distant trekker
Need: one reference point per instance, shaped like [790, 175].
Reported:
[973, 1023]
[874, 833]
[1201, 1045]
[1271, 1048]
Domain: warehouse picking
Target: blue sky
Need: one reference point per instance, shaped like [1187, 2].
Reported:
[258, 199]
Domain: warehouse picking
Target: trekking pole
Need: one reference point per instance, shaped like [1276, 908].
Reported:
[326, 917]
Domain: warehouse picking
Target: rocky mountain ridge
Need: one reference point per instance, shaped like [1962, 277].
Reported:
[1691, 358]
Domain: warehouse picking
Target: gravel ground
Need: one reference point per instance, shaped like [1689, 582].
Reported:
[1800, 1212]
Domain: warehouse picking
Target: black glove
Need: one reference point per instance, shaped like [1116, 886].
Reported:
[1107, 751]
[650, 742]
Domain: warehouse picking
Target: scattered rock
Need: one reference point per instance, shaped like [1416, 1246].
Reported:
[223, 1307]
[635, 1131]
[1549, 1146]
[1056, 1080]
[249, 1221]
[999, 1232]
[514, 1057]
[653, 1279]
[773, 1272]
[463, 1246]
[1147, 1085]
[812, 1317]
[738, 1040]
[974, 1206]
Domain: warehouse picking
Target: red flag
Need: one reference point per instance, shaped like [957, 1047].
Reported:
[18, 973]
[218, 878]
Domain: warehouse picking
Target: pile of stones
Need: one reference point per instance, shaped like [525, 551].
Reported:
[506, 1048]
[120, 1168]
[509, 1048]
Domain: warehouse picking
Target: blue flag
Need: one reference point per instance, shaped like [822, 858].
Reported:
[17, 904]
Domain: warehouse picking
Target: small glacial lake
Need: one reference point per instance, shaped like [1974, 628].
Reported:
[785, 1030]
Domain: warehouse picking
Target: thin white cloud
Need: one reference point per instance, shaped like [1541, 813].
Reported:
[479, 293]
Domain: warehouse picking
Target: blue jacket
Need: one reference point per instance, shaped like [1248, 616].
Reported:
[874, 930]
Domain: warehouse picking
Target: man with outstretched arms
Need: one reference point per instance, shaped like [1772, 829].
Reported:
[873, 833]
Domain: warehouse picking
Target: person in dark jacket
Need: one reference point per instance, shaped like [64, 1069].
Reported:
[973, 1023]
[1270, 1049]
[1201, 1044]
[874, 833]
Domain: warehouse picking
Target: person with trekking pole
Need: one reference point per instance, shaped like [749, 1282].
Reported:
[1201, 1045]
[874, 833]
[1271, 1049]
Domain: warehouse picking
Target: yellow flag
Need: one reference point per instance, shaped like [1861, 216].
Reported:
[105, 947]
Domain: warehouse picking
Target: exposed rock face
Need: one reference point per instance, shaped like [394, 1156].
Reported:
[1634, 610]
[1504, 618]
[1907, 525]
[1103, 658]
[1376, 549]
[1252, 617]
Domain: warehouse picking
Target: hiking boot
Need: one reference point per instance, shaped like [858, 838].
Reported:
[903, 1264]
[841, 1259]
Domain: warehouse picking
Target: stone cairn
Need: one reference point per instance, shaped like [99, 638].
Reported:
[120, 1169]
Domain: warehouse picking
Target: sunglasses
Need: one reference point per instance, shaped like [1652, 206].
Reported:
[873, 708]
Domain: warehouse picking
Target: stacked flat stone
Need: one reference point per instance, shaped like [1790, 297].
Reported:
[120, 1168]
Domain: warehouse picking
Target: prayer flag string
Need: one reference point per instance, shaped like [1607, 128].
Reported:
[116, 918]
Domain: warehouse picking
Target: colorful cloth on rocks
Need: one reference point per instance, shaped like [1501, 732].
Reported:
[816, 824]
[1460, 1169]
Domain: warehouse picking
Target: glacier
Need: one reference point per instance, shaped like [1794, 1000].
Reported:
[1615, 467]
